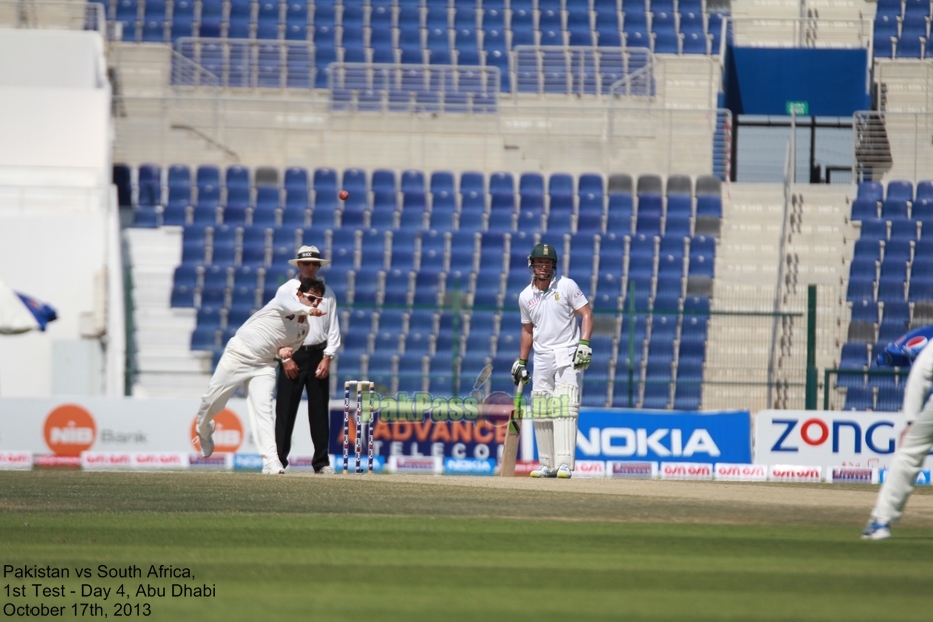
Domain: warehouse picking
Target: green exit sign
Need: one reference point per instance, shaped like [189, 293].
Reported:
[798, 108]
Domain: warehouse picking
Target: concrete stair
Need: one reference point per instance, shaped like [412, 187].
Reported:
[166, 365]
[819, 242]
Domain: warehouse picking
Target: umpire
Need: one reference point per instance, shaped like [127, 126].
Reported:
[309, 368]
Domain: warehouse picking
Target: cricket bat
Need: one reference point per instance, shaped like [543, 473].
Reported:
[513, 435]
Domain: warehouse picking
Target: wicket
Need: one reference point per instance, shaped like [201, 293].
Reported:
[360, 385]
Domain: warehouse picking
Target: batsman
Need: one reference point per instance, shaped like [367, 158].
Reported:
[550, 306]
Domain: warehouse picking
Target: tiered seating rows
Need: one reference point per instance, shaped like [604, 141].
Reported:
[385, 200]
[890, 283]
[397, 283]
[902, 29]
[411, 32]
[659, 268]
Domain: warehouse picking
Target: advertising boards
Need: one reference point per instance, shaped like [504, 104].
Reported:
[827, 438]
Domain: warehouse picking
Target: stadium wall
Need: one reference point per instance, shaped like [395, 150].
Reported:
[59, 227]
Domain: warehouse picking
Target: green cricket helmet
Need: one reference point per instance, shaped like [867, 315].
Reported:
[543, 251]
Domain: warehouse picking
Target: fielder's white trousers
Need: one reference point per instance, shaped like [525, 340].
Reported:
[239, 366]
[904, 469]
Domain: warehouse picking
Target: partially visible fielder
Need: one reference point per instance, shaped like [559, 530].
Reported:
[250, 358]
[915, 443]
[549, 308]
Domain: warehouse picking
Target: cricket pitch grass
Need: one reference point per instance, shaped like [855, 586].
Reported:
[305, 547]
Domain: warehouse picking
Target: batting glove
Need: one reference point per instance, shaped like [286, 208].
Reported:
[519, 371]
[583, 355]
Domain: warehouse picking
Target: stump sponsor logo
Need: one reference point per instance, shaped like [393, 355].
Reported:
[589, 468]
[249, 462]
[469, 466]
[632, 470]
[105, 460]
[853, 475]
[409, 464]
[686, 470]
[216, 461]
[923, 477]
[15, 460]
[741, 472]
[795, 473]
[160, 460]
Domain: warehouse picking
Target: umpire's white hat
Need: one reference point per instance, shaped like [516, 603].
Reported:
[308, 253]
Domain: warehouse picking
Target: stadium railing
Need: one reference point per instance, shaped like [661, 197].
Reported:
[575, 70]
[391, 87]
[801, 32]
[54, 15]
[250, 63]
[892, 145]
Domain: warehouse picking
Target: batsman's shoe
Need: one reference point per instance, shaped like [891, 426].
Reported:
[207, 442]
[274, 470]
[543, 471]
[564, 472]
[876, 531]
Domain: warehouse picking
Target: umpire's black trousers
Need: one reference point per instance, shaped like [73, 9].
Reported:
[289, 399]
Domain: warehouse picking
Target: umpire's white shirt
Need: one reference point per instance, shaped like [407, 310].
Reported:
[321, 329]
[552, 312]
[275, 326]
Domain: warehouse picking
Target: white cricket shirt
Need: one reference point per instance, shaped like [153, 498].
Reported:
[275, 326]
[552, 313]
[325, 328]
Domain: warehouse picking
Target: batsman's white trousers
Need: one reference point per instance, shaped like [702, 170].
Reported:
[907, 463]
[239, 366]
[554, 367]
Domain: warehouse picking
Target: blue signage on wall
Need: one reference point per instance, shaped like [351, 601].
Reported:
[621, 434]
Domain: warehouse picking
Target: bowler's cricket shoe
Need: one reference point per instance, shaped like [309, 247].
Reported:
[328, 470]
[273, 470]
[564, 472]
[876, 531]
[543, 471]
[207, 442]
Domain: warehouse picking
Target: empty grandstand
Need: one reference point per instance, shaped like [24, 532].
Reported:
[466, 132]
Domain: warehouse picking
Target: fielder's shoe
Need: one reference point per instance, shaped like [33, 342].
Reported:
[207, 442]
[876, 531]
[564, 472]
[543, 471]
[328, 470]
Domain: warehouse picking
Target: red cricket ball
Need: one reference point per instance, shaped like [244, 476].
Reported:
[344, 195]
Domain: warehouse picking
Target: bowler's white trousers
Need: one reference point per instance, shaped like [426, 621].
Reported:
[240, 366]
[904, 469]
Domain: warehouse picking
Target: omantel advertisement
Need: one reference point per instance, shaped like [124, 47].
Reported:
[828, 439]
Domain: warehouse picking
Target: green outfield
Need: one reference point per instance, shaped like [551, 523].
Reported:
[385, 548]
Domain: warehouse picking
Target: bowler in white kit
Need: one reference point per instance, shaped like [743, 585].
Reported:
[250, 358]
[549, 307]
[916, 442]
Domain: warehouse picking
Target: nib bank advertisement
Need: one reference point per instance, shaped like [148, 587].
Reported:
[404, 426]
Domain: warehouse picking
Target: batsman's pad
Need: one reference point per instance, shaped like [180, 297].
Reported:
[544, 437]
[565, 440]
[572, 402]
